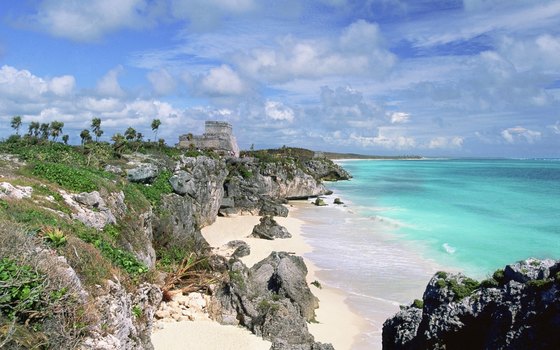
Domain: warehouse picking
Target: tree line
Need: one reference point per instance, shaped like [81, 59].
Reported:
[54, 129]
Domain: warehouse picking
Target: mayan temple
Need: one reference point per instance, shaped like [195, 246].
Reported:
[218, 136]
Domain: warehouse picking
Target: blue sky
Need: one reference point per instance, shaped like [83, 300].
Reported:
[429, 77]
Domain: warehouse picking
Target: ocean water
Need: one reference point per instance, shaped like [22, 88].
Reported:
[404, 220]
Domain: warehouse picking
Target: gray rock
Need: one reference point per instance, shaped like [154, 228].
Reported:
[113, 169]
[7, 190]
[325, 169]
[202, 180]
[143, 173]
[520, 312]
[271, 207]
[90, 199]
[272, 299]
[530, 269]
[240, 248]
[268, 228]
[178, 225]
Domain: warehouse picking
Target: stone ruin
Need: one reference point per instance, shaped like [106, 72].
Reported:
[218, 137]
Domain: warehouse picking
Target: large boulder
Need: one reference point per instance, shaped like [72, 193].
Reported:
[268, 228]
[272, 299]
[325, 169]
[519, 308]
[142, 173]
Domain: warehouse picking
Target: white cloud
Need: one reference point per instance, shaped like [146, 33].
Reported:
[278, 111]
[357, 51]
[400, 117]
[109, 85]
[63, 85]
[90, 20]
[555, 128]
[162, 81]
[441, 142]
[23, 85]
[222, 81]
[518, 133]
[387, 137]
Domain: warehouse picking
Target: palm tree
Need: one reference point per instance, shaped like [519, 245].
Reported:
[65, 139]
[16, 123]
[56, 129]
[96, 128]
[155, 126]
[44, 130]
[118, 143]
[85, 136]
[34, 129]
[130, 133]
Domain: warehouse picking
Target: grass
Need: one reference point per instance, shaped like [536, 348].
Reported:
[159, 187]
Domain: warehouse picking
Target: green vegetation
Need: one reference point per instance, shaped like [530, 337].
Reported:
[418, 303]
[159, 187]
[55, 237]
[71, 178]
[540, 284]
[489, 283]
[317, 284]
[137, 311]
[498, 275]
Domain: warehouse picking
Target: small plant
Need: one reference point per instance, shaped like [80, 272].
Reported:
[498, 275]
[417, 303]
[540, 284]
[74, 179]
[317, 284]
[489, 283]
[137, 311]
[54, 236]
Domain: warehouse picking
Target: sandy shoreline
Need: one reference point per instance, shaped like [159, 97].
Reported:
[333, 314]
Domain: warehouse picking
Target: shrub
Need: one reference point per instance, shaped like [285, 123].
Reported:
[498, 275]
[540, 284]
[489, 283]
[317, 284]
[74, 179]
[417, 303]
[159, 187]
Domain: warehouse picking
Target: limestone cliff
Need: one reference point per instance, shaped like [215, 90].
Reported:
[518, 308]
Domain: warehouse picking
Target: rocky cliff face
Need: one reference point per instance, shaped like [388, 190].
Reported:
[518, 308]
[272, 299]
[254, 184]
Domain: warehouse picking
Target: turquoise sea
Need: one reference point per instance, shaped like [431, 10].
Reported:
[404, 220]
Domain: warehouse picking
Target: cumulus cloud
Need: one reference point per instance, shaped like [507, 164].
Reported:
[222, 81]
[109, 85]
[162, 81]
[23, 85]
[357, 51]
[63, 85]
[277, 111]
[90, 20]
[518, 133]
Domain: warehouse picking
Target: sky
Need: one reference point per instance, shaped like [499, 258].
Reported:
[465, 78]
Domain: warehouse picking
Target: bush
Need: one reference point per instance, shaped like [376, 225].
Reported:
[74, 179]
[417, 303]
[159, 187]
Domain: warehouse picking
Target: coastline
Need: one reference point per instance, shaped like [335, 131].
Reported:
[333, 314]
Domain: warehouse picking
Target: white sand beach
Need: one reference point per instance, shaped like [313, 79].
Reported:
[337, 324]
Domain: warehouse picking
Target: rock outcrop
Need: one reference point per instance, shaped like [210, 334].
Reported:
[518, 308]
[143, 173]
[129, 316]
[268, 228]
[272, 299]
[325, 169]
[257, 187]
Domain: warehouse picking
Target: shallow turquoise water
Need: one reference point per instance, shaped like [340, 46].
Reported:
[471, 215]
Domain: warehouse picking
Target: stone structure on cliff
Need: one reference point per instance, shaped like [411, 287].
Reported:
[218, 137]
